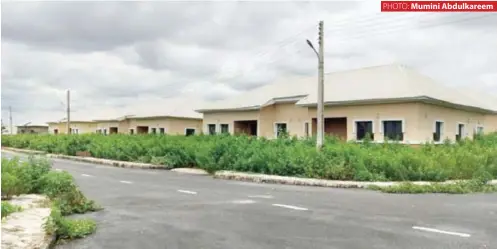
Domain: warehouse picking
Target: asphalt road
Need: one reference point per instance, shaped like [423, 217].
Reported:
[162, 209]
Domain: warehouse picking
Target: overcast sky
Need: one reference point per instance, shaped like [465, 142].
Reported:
[171, 55]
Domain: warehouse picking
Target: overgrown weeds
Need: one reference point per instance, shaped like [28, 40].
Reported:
[286, 156]
[35, 177]
[8, 208]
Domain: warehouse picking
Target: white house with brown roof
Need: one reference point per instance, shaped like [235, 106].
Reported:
[391, 102]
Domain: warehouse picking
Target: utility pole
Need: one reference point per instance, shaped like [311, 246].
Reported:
[68, 119]
[320, 116]
[10, 120]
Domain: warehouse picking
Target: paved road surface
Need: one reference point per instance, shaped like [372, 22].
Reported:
[161, 209]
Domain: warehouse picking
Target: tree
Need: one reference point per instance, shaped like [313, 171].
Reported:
[4, 129]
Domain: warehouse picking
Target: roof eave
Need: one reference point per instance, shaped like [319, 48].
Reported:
[250, 108]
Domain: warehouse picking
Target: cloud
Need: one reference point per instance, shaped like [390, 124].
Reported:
[115, 56]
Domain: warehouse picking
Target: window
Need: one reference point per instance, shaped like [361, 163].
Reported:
[393, 130]
[363, 129]
[280, 128]
[131, 131]
[98, 131]
[438, 132]
[162, 130]
[105, 131]
[56, 131]
[153, 130]
[479, 130]
[306, 129]
[212, 129]
[460, 131]
[189, 131]
[225, 128]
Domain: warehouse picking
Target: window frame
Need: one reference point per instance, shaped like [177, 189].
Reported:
[464, 131]
[442, 130]
[162, 130]
[131, 131]
[354, 128]
[190, 128]
[275, 127]
[482, 129]
[209, 130]
[403, 129]
[221, 128]
[307, 129]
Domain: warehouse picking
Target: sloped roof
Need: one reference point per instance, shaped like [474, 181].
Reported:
[379, 83]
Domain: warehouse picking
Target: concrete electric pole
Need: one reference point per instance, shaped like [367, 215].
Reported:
[320, 116]
[10, 120]
[68, 113]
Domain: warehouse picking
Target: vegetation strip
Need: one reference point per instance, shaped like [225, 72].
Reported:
[473, 160]
[35, 177]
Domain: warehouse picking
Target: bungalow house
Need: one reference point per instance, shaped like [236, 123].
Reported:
[391, 102]
[160, 124]
[32, 129]
[78, 126]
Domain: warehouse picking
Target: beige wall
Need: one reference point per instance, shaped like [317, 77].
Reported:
[83, 127]
[227, 118]
[451, 118]
[491, 123]
[107, 125]
[32, 129]
[418, 119]
[172, 126]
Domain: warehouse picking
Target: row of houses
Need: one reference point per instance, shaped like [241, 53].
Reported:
[391, 102]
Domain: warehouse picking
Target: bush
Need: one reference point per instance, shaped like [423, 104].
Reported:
[35, 177]
[8, 208]
[287, 156]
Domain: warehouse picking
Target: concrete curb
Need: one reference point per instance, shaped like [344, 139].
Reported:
[121, 164]
[191, 171]
[261, 178]
[31, 152]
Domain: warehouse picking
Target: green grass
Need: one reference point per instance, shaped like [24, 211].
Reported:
[285, 156]
[35, 177]
[8, 208]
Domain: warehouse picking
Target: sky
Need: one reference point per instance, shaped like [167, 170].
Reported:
[166, 57]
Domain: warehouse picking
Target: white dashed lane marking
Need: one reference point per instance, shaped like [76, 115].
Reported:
[187, 192]
[127, 182]
[290, 207]
[261, 196]
[58, 170]
[433, 230]
[243, 201]
[86, 175]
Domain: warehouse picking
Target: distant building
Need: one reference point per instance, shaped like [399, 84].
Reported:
[32, 129]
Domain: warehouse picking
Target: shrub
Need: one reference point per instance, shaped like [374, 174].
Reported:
[35, 176]
[286, 155]
[8, 208]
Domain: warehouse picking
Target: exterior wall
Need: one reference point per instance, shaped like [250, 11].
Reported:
[32, 129]
[171, 125]
[83, 127]
[107, 125]
[55, 126]
[228, 118]
[418, 119]
[451, 118]
[407, 112]
[294, 117]
[490, 123]
[177, 126]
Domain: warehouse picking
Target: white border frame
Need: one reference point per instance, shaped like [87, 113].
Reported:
[129, 131]
[479, 126]
[354, 121]
[191, 128]
[308, 127]
[464, 131]
[275, 132]
[442, 132]
[158, 130]
[207, 131]
[220, 128]
[393, 119]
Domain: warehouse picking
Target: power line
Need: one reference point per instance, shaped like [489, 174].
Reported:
[397, 28]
